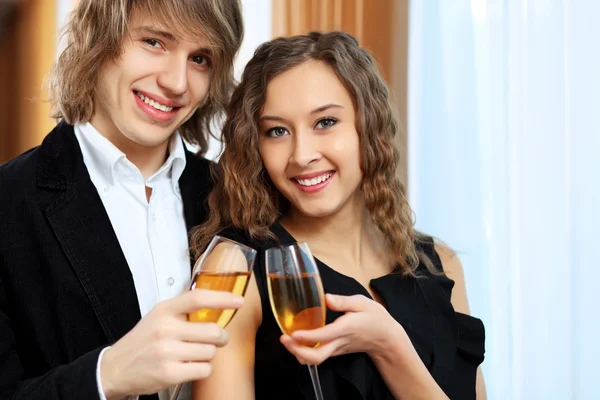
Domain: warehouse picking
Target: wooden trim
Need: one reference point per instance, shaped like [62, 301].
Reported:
[337, 15]
[279, 18]
[399, 80]
[8, 83]
[36, 40]
[28, 51]
[359, 18]
[325, 14]
[349, 20]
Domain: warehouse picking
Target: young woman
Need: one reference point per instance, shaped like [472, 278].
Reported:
[309, 156]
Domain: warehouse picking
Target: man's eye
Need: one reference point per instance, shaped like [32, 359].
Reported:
[200, 60]
[153, 42]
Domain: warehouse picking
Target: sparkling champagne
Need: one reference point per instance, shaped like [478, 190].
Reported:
[234, 282]
[297, 301]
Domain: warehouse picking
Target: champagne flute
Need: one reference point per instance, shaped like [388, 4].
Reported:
[226, 266]
[296, 294]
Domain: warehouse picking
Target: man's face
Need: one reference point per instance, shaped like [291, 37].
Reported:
[155, 86]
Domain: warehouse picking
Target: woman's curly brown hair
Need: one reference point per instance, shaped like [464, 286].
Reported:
[246, 199]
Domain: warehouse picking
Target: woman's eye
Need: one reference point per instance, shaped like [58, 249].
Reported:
[326, 123]
[276, 132]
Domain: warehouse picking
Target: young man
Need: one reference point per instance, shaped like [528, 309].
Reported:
[94, 221]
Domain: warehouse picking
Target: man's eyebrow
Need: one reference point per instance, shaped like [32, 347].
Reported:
[150, 31]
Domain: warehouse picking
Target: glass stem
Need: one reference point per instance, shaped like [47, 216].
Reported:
[314, 377]
[175, 394]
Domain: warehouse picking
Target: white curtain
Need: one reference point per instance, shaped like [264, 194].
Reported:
[504, 144]
[257, 30]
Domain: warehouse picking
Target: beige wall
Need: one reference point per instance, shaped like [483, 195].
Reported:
[27, 50]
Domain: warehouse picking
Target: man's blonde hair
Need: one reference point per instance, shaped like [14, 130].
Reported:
[95, 33]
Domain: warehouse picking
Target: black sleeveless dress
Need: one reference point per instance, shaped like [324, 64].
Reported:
[450, 344]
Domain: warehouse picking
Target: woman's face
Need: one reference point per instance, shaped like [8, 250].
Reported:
[308, 140]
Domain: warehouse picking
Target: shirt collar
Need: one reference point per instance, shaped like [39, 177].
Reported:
[175, 163]
[99, 154]
[102, 156]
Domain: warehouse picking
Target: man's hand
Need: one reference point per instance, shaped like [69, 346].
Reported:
[164, 349]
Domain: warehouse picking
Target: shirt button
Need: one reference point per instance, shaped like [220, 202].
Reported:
[171, 281]
[153, 217]
[106, 188]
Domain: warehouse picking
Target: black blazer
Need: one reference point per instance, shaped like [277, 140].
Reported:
[66, 290]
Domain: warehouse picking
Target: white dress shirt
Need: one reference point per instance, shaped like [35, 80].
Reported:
[152, 234]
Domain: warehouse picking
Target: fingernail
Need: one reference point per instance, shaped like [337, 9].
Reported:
[238, 300]
[224, 338]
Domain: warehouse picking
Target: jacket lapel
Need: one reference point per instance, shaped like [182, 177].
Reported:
[83, 229]
[195, 185]
[194, 190]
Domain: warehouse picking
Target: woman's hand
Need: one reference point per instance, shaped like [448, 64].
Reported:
[365, 327]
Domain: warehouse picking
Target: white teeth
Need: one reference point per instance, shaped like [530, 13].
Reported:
[153, 103]
[314, 181]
